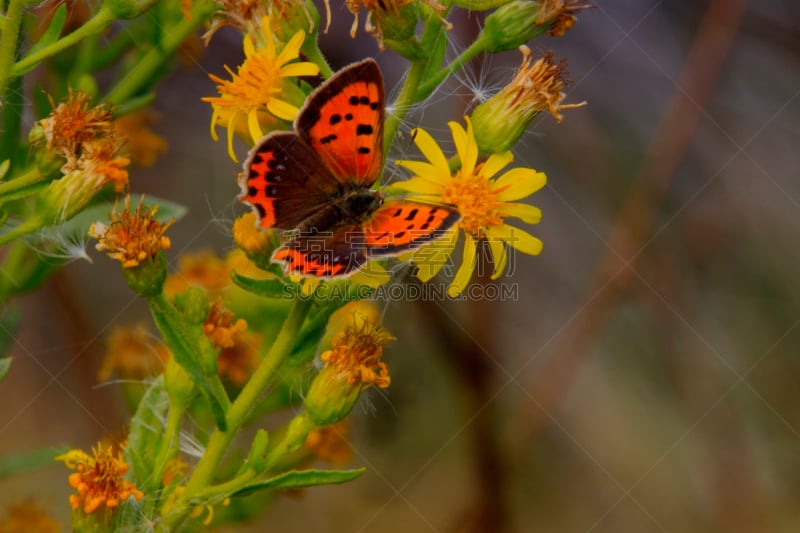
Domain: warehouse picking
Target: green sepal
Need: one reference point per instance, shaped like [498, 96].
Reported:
[310, 335]
[50, 36]
[301, 479]
[31, 460]
[256, 459]
[268, 288]
[145, 434]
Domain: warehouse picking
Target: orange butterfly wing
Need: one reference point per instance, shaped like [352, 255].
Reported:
[343, 123]
[401, 225]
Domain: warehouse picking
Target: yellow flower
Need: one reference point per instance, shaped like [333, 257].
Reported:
[134, 352]
[143, 145]
[98, 479]
[483, 200]
[26, 516]
[330, 444]
[201, 269]
[262, 83]
[132, 237]
[220, 326]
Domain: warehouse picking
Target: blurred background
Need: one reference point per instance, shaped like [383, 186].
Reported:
[644, 377]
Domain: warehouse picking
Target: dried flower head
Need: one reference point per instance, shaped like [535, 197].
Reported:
[560, 15]
[73, 123]
[352, 364]
[132, 237]
[98, 479]
[393, 18]
[538, 85]
[356, 354]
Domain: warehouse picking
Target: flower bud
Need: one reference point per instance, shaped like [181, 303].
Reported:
[331, 396]
[178, 383]
[537, 86]
[511, 25]
[194, 305]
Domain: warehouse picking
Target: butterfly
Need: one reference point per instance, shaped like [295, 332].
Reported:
[316, 183]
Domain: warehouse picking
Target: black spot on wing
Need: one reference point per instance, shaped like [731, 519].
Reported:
[364, 129]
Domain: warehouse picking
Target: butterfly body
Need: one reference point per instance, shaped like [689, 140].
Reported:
[317, 182]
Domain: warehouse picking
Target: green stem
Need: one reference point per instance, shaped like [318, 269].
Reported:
[294, 438]
[10, 23]
[96, 24]
[248, 397]
[142, 74]
[314, 55]
[406, 98]
[31, 177]
[465, 57]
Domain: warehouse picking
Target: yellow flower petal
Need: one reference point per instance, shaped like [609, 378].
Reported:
[292, 48]
[373, 274]
[464, 273]
[519, 183]
[496, 163]
[466, 146]
[430, 149]
[230, 145]
[526, 213]
[499, 257]
[282, 109]
[421, 169]
[249, 48]
[515, 237]
[253, 126]
[301, 68]
[431, 258]
[419, 186]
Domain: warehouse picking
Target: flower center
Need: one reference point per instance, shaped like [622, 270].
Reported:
[474, 197]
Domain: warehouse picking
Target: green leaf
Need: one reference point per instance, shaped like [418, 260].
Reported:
[310, 335]
[300, 479]
[4, 166]
[146, 432]
[50, 36]
[25, 462]
[269, 288]
[5, 364]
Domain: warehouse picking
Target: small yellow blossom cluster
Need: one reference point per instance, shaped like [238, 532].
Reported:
[28, 516]
[220, 326]
[357, 351]
[133, 352]
[132, 237]
[329, 443]
[98, 479]
[84, 136]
